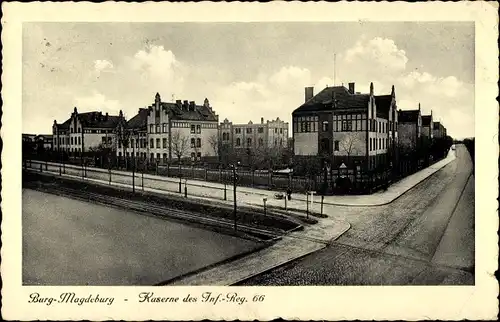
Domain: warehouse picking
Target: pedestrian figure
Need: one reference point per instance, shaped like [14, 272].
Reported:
[289, 193]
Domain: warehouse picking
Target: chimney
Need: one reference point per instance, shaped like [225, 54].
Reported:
[178, 103]
[261, 120]
[106, 116]
[185, 105]
[351, 88]
[191, 106]
[309, 93]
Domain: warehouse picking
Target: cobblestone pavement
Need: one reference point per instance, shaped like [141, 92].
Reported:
[424, 237]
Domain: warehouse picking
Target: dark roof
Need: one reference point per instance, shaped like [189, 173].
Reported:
[65, 125]
[98, 120]
[408, 116]
[383, 103]
[200, 112]
[426, 120]
[140, 120]
[323, 101]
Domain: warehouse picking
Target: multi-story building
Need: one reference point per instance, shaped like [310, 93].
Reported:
[439, 130]
[83, 132]
[254, 139]
[427, 126]
[410, 129]
[136, 129]
[45, 141]
[173, 131]
[344, 126]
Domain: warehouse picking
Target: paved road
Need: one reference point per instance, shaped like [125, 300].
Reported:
[424, 237]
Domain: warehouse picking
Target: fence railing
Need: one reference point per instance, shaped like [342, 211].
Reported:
[335, 181]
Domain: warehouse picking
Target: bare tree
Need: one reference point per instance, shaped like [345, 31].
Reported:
[180, 145]
[350, 145]
[214, 142]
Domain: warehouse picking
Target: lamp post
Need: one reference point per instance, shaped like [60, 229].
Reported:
[265, 210]
[133, 167]
[180, 177]
[234, 194]
[185, 188]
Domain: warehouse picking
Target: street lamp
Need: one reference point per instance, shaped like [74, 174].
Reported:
[234, 192]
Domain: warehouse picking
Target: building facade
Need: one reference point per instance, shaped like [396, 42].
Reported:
[253, 140]
[84, 132]
[427, 126]
[163, 132]
[410, 129]
[439, 130]
[346, 127]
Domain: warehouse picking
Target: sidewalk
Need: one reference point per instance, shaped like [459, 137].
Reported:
[376, 199]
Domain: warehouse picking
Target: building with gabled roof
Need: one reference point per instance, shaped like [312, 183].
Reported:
[410, 129]
[83, 132]
[172, 131]
[346, 127]
[428, 126]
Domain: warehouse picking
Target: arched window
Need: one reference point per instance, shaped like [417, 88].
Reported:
[198, 142]
[249, 141]
[192, 156]
[238, 141]
[192, 142]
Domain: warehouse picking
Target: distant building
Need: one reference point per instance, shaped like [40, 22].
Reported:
[439, 130]
[410, 129]
[83, 132]
[28, 137]
[427, 126]
[344, 126]
[171, 131]
[253, 141]
[45, 141]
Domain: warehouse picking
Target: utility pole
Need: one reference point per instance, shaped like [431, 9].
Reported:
[234, 196]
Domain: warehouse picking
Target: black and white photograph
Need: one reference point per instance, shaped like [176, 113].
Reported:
[158, 154]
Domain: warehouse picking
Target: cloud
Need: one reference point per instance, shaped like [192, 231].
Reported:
[97, 102]
[102, 65]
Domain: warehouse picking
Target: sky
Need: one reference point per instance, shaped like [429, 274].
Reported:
[246, 70]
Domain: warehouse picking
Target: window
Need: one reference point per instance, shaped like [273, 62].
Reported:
[120, 154]
[347, 125]
[336, 145]
[281, 142]
[371, 147]
[158, 143]
[158, 128]
[131, 143]
[164, 127]
[157, 157]
[71, 130]
[238, 142]
[128, 154]
[237, 130]
[325, 126]
[275, 141]
[261, 142]
[79, 130]
[281, 131]
[164, 143]
[276, 130]
[151, 128]
[164, 158]
[71, 140]
[198, 128]
[193, 142]
[249, 130]
[198, 155]
[152, 157]
[79, 141]
[151, 144]
[137, 143]
[193, 129]
[260, 130]
[192, 156]
[249, 141]
[198, 143]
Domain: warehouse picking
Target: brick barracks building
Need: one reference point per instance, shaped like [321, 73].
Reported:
[342, 126]
[84, 131]
[170, 131]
